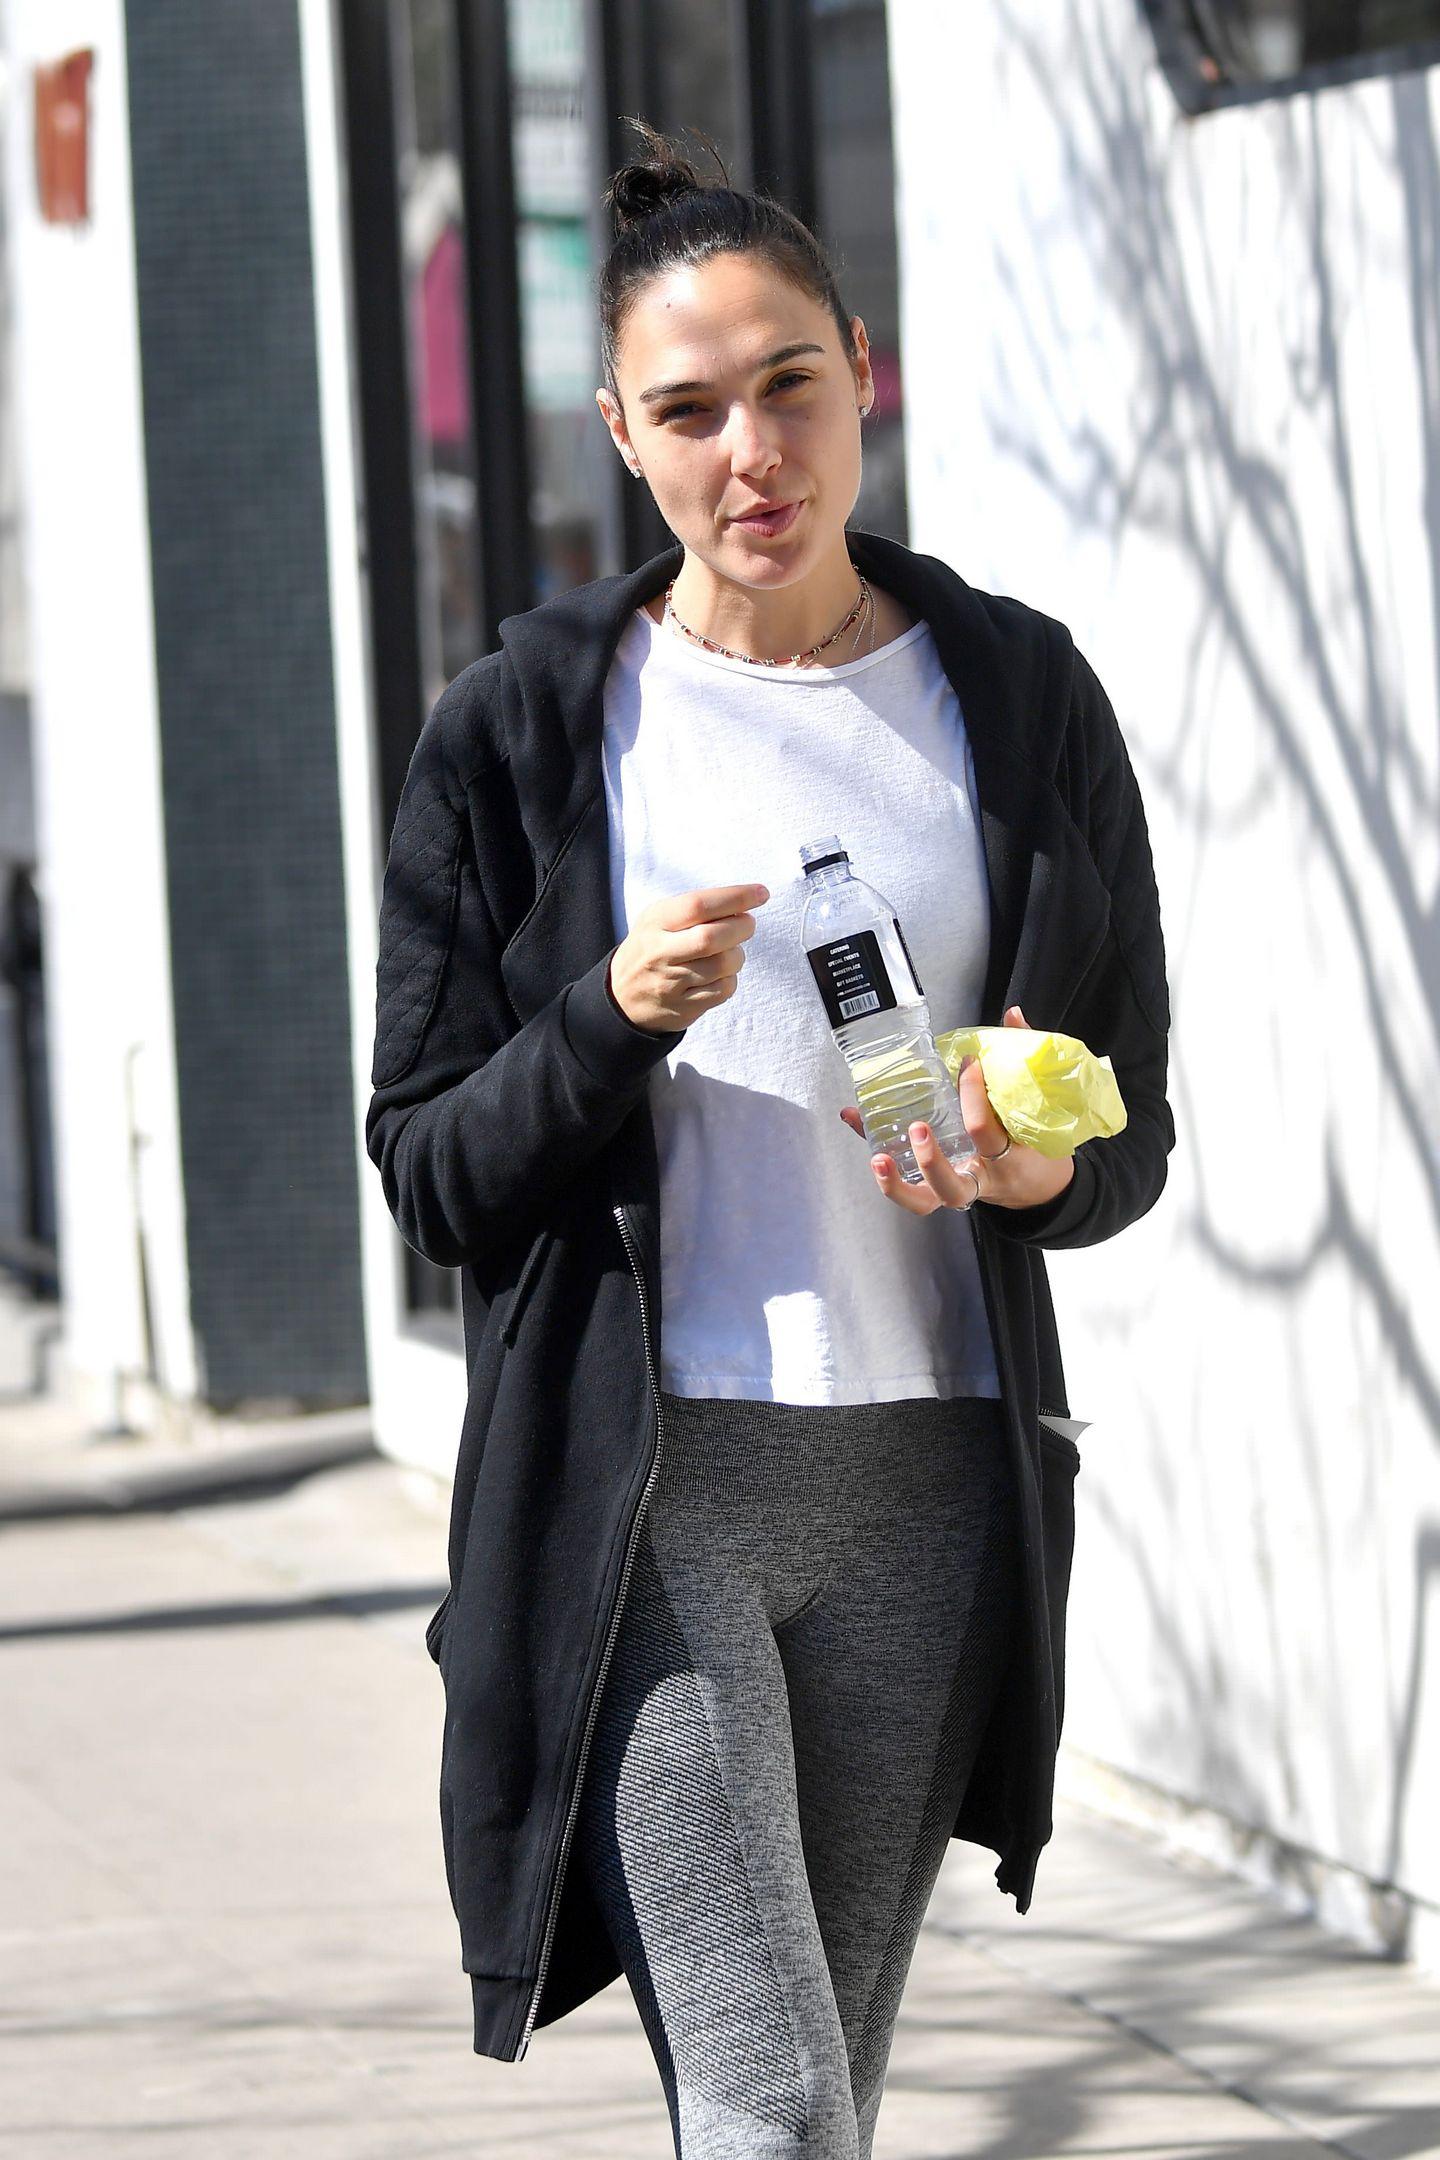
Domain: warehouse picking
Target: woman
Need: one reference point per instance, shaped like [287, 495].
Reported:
[751, 1614]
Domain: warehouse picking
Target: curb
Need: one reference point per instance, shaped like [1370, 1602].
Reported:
[178, 1482]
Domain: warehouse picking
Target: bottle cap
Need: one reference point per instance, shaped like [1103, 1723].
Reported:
[819, 854]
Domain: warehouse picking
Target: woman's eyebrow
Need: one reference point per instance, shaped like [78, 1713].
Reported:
[673, 389]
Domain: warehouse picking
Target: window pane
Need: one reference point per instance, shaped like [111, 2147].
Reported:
[694, 61]
[432, 250]
[855, 218]
[432, 240]
[560, 344]
[1232, 43]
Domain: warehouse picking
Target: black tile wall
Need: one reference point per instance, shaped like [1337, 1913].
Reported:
[247, 709]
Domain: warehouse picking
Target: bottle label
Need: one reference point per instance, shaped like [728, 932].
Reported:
[853, 978]
[919, 988]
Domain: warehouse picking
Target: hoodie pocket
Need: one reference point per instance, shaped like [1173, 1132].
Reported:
[520, 1298]
[1059, 1444]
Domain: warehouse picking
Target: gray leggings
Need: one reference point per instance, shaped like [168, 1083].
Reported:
[817, 1621]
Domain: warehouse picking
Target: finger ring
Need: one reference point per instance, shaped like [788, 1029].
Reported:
[1000, 1153]
[975, 1182]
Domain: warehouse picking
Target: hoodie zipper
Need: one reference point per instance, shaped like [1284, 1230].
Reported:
[556, 1886]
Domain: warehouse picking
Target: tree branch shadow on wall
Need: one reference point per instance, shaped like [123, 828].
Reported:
[1183, 475]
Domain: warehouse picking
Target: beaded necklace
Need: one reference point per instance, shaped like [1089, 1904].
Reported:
[795, 659]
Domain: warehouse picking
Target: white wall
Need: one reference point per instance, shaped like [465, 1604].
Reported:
[1178, 383]
[96, 744]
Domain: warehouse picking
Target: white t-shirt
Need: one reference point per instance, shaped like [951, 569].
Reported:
[786, 1274]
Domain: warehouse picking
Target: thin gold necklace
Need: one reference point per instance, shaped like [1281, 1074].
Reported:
[795, 659]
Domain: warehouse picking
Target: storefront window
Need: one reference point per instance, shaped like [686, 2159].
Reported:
[432, 238]
[477, 139]
[694, 60]
[560, 353]
[855, 219]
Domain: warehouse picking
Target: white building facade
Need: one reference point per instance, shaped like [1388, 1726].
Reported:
[1177, 381]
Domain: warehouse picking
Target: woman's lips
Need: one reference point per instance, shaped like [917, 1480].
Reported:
[767, 523]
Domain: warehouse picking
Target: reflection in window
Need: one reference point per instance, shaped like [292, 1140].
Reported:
[432, 238]
[693, 56]
[855, 220]
[560, 340]
[1231, 45]
[442, 436]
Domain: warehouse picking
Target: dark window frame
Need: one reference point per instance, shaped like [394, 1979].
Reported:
[1181, 48]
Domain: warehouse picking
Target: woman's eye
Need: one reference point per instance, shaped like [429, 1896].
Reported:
[792, 375]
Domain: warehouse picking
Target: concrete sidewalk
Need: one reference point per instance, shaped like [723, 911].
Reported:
[225, 1932]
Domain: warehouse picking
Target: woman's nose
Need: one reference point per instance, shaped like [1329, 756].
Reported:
[750, 448]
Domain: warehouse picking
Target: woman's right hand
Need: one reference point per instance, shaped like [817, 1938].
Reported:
[683, 954]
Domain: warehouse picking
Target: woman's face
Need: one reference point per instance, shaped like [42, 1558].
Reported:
[761, 422]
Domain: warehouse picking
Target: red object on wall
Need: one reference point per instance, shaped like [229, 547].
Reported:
[62, 138]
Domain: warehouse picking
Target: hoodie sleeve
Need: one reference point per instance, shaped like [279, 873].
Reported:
[479, 1125]
[1121, 1010]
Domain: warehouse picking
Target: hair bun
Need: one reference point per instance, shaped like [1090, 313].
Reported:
[638, 191]
[663, 175]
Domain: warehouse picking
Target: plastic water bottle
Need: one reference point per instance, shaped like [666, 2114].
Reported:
[877, 1011]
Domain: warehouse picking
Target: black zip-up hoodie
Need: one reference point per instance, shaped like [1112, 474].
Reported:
[511, 1128]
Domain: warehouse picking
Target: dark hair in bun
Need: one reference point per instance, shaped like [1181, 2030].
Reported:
[646, 185]
[667, 216]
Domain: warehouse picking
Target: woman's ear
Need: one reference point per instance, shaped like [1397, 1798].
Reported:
[860, 365]
[614, 419]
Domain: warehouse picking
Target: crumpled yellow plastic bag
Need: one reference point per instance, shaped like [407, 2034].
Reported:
[1049, 1091]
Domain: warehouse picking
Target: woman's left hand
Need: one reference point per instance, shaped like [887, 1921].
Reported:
[1025, 1178]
